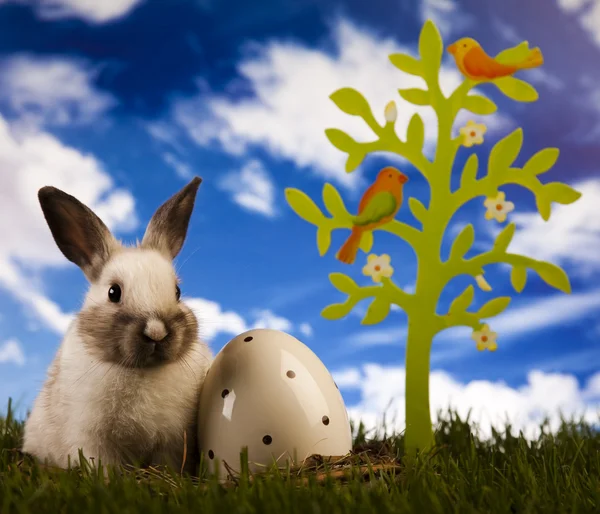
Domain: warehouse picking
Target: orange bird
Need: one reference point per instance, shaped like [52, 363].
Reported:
[475, 64]
[378, 205]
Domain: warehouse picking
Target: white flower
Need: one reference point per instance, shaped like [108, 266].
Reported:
[485, 339]
[482, 283]
[472, 133]
[391, 113]
[498, 208]
[378, 266]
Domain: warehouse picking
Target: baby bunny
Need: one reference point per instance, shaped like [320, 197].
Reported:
[124, 384]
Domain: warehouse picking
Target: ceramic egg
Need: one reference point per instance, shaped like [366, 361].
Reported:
[268, 392]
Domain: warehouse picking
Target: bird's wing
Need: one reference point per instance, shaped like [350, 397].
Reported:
[366, 197]
[382, 204]
[479, 64]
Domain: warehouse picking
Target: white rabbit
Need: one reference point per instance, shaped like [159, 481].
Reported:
[124, 384]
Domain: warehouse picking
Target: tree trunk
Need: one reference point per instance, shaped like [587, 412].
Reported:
[419, 431]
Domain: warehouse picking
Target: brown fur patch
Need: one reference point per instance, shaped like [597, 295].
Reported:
[117, 336]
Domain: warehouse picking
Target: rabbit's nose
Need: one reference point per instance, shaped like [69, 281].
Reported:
[155, 330]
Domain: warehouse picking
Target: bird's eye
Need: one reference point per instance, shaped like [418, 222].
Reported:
[465, 45]
[114, 293]
[177, 292]
[390, 175]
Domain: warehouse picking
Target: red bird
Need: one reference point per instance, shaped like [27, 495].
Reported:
[378, 205]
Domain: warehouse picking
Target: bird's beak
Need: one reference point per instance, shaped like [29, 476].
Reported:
[403, 179]
[451, 49]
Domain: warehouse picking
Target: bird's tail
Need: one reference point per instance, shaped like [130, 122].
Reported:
[348, 251]
[533, 60]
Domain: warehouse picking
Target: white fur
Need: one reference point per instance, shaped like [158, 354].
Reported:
[108, 411]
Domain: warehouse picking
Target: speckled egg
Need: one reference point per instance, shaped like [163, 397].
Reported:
[270, 393]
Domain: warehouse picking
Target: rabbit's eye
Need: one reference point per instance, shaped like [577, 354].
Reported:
[177, 292]
[114, 293]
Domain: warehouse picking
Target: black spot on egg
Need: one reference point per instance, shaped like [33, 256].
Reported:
[267, 440]
[224, 393]
[325, 420]
[211, 454]
[291, 374]
[248, 339]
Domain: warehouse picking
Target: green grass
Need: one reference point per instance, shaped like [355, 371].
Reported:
[559, 472]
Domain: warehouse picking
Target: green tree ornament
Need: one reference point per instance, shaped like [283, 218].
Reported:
[433, 274]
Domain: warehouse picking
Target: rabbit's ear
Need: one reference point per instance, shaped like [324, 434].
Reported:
[168, 227]
[80, 235]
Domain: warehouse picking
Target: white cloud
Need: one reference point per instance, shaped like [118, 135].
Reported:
[43, 308]
[559, 309]
[382, 390]
[572, 5]
[92, 11]
[28, 161]
[506, 31]
[572, 235]
[267, 319]
[52, 90]
[251, 188]
[305, 329]
[182, 169]
[588, 12]
[409, 288]
[378, 337]
[291, 108]
[347, 378]
[446, 14]
[542, 314]
[11, 351]
[520, 319]
[214, 320]
[164, 133]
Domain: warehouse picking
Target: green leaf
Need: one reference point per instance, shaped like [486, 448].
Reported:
[336, 311]
[553, 276]
[462, 301]
[542, 161]
[415, 133]
[343, 283]
[323, 240]
[377, 311]
[543, 206]
[493, 307]
[366, 241]
[417, 208]
[333, 202]
[431, 49]
[505, 152]
[515, 54]
[469, 174]
[504, 238]
[354, 160]
[517, 89]
[561, 193]
[462, 243]
[415, 96]
[340, 140]
[479, 105]
[351, 102]
[303, 206]
[407, 64]
[518, 278]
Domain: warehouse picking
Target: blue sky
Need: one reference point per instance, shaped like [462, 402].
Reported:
[121, 103]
